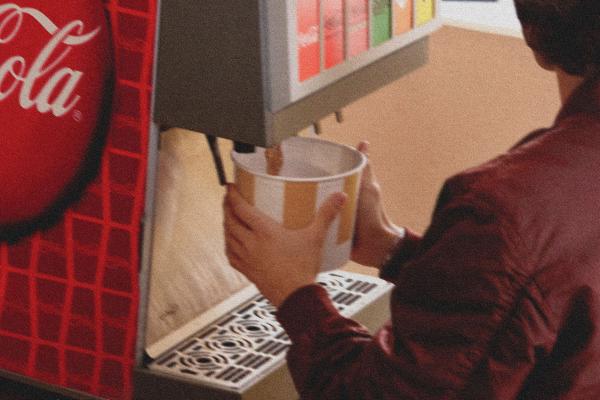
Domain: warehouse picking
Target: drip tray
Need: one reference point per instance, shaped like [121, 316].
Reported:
[246, 347]
[233, 351]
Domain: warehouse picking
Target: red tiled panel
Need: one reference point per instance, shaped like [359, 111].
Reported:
[128, 101]
[46, 363]
[86, 266]
[52, 262]
[125, 137]
[19, 255]
[69, 296]
[141, 5]
[14, 354]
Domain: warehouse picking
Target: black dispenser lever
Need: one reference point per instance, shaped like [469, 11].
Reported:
[216, 153]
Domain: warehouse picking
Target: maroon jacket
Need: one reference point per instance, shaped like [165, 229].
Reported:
[500, 299]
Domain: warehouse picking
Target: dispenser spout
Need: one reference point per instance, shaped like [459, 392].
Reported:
[317, 129]
[240, 147]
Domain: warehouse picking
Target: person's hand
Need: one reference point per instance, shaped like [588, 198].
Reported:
[277, 260]
[375, 235]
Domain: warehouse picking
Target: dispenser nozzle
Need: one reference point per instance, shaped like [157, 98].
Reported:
[317, 128]
[240, 147]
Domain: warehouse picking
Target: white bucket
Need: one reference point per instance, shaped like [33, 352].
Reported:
[313, 169]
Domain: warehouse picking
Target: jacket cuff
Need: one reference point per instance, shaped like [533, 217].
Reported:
[305, 311]
[405, 250]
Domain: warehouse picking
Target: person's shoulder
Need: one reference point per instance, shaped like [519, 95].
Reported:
[537, 170]
[543, 191]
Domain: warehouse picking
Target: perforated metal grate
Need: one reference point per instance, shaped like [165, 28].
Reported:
[248, 342]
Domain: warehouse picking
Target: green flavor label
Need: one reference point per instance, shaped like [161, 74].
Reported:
[381, 21]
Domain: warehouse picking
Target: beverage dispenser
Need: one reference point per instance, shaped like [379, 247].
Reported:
[240, 73]
[255, 73]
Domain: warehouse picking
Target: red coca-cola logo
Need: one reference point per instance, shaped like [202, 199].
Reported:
[55, 84]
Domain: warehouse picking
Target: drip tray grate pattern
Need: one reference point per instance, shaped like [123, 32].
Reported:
[246, 343]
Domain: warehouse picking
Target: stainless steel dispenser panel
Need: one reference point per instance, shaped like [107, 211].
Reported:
[230, 68]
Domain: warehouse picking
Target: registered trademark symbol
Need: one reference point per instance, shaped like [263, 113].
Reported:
[77, 115]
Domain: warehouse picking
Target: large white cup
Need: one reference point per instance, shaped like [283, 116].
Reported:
[312, 170]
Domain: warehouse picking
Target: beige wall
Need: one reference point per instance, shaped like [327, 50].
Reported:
[476, 97]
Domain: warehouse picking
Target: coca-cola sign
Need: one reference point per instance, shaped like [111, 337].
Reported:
[61, 80]
[55, 84]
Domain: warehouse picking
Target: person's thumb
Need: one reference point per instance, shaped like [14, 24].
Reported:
[367, 175]
[328, 211]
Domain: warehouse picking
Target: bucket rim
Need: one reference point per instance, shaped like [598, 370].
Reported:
[357, 169]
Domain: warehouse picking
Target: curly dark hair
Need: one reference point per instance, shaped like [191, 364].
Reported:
[566, 33]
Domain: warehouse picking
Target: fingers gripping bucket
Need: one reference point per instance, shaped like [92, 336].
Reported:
[312, 170]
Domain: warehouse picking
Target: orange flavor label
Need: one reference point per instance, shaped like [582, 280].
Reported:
[403, 16]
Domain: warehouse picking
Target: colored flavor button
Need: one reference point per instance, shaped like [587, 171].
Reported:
[403, 11]
[357, 26]
[380, 21]
[309, 48]
[333, 20]
[425, 11]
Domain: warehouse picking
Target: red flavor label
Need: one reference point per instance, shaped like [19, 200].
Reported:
[333, 19]
[309, 46]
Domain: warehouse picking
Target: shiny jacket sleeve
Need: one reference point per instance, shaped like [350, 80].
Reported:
[466, 323]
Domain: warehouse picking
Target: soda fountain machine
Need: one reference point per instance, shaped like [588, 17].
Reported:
[135, 270]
